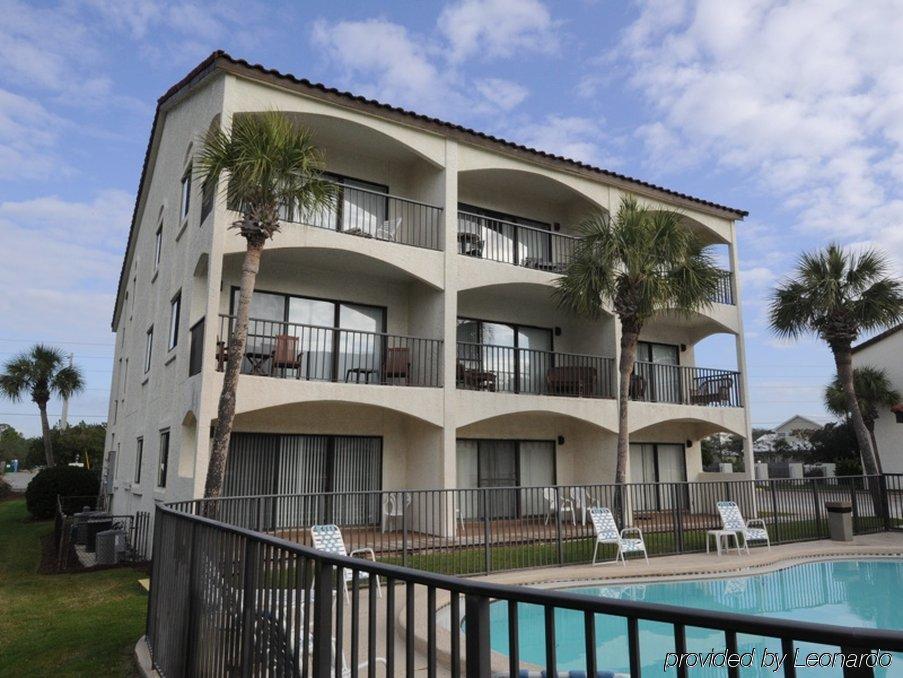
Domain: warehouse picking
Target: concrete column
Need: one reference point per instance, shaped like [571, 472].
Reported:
[448, 475]
[741, 358]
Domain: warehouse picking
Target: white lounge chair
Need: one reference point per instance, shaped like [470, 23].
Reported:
[328, 538]
[556, 504]
[607, 533]
[583, 502]
[732, 520]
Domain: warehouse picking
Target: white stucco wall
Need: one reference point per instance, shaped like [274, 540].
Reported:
[886, 355]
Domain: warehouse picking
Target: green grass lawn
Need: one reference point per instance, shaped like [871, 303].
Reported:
[67, 624]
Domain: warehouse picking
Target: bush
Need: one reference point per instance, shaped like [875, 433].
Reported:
[5, 489]
[68, 481]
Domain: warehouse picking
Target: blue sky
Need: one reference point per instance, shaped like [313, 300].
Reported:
[791, 111]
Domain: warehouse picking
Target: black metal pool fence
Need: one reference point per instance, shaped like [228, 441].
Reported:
[236, 590]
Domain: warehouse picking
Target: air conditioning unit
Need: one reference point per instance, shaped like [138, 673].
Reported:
[111, 547]
[81, 524]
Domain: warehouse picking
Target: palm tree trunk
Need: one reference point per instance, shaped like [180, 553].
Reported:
[45, 434]
[870, 425]
[219, 452]
[843, 359]
[626, 364]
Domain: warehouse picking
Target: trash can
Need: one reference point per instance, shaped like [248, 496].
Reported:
[840, 520]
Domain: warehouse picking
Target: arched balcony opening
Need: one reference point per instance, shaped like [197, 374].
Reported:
[518, 217]
[386, 189]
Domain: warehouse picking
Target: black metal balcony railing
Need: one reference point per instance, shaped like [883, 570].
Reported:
[654, 382]
[315, 353]
[371, 214]
[511, 243]
[724, 294]
[486, 367]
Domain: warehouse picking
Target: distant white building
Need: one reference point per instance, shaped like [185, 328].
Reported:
[883, 351]
[794, 432]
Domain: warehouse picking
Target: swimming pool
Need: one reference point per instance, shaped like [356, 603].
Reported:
[854, 593]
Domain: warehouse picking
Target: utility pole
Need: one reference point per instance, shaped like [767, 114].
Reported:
[64, 414]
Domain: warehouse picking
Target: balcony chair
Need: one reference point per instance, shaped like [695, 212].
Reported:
[637, 387]
[397, 365]
[556, 504]
[583, 502]
[476, 380]
[285, 355]
[328, 538]
[574, 380]
[607, 533]
[222, 355]
[395, 506]
[732, 521]
[388, 230]
[711, 390]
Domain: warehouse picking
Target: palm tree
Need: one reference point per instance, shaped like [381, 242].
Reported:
[873, 392]
[837, 295]
[41, 372]
[271, 164]
[640, 263]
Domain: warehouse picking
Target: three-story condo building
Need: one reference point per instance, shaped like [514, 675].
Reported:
[406, 338]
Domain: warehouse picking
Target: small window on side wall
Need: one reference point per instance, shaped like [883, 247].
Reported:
[175, 311]
[208, 192]
[148, 349]
[158, 246]
[163, 458]
[185, 203]
[139, 458]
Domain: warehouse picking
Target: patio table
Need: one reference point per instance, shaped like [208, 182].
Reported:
[720, 535]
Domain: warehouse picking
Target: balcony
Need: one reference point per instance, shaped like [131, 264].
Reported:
[317, 353]
[510, 243]
[504, 369]
[682, 385]
[537, 248]
[374, 214]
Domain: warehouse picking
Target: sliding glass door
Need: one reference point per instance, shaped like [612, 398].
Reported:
[345, 466]
[507, 237]
[503, 464]
[659, 367]
[652, 464]
[336, 340]
[518, 356]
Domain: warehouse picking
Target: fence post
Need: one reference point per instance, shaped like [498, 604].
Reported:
[190, 642]
[322, 627]
[774, 510]
[257, 518]
[486, 532]
[559, 544]
[404, 529]
[815, 505]
[476, 639]
[885, 502]
[676, 519]
[247, 608]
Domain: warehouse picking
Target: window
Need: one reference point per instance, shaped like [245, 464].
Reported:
[186, 194]
[148, 349]
[139, 458]
[208, 193]
[158, 246]
[163, 458]
[175, 308]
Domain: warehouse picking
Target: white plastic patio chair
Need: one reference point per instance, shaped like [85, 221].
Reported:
[395, 505]
[328, 538]
[732, 520]
[388, 230]
[607, 533]
[583, 502]
[556, 504]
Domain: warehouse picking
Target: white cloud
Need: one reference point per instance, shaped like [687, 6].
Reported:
[497, 28]
[504, 94]
[571, 136]
[804, 97]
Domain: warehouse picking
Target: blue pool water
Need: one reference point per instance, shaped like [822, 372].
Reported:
[854, 593]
